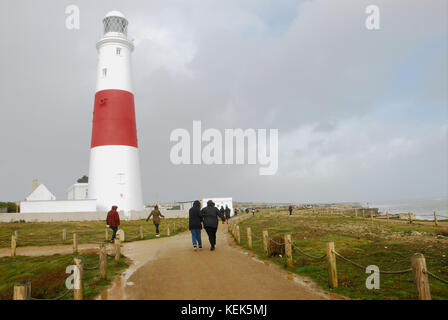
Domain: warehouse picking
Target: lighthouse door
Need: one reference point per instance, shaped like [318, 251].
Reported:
[121, 181]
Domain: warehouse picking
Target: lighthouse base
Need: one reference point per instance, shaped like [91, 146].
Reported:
[114, 178]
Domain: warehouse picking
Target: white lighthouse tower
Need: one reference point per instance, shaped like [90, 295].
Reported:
[114, 173]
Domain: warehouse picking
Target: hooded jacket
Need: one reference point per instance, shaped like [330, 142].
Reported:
[195, 219]
[113, 219]
[227, 211]
[210, 215]
[156, 214]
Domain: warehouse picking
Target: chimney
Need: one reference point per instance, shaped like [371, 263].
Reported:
[35, 184]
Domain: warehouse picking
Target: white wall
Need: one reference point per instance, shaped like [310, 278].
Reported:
[83, 216]
[220, 202]
[57, 206]
[78, 191]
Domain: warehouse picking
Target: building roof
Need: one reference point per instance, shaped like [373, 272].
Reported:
[114, 13]
[40, 193]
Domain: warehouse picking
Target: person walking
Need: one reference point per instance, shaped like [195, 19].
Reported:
[195, 224]
[156, 214]
[247, 210]
[210, 216]
[227, 213]
[290, 210]
[223, 212]
[253, 211]
[113, 221]
[235, 211]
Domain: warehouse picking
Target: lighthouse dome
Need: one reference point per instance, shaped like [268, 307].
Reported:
[115, 22]
[115, 13]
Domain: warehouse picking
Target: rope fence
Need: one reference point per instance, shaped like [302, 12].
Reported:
[22, 289]
[287, 246]
[74, 237]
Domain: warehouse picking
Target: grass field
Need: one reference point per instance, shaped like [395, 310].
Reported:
[387, 244]
[50, 233]
[47, 274]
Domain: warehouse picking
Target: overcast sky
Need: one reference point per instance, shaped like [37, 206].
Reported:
[362, 115]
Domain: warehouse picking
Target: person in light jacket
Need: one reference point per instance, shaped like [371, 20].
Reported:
[156, 214]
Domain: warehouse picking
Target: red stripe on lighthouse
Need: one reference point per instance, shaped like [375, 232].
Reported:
[114, 119]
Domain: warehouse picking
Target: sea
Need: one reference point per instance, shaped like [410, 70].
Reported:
[423, 208]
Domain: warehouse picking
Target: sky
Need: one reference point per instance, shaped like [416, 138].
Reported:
[362, 114]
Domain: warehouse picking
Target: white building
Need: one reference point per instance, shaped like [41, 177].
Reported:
[220, 202]
[78, 191]
[41, 200]
[40, 193]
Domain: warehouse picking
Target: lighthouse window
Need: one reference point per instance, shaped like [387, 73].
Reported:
[118, 51]
[104, 72]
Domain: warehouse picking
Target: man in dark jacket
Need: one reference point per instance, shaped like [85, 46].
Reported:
[194, 224]
[223, 212]
[210, 216]
[227, 211]
[113, 221]
[290, 210]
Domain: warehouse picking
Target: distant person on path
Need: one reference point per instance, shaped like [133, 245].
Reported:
[156, 214]
[223, 212]
[290, 210]
[253, 211]
[113, 221]
[195, 224]
[210, 216]
[247, 210]
[227, 211]
[236, 211]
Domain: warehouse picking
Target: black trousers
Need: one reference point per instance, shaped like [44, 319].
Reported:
[157, 228]
[211, 232]
[114, 232]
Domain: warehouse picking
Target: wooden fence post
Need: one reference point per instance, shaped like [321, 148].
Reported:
[13, 246]
[371, 214]
[141, 232]
[332, 271]
[387, 215]
[16, 234]
[238, 236]
[117, 250]
[356, 213]
[435, 219]
[265, 242]
[78, 283]
[75, 243]
[249, 238]
[106, 233]
[64, 234]
[168, 230]
[103, 262]
[420, 276]
[410, 217]
[288, 251]
[22, 290]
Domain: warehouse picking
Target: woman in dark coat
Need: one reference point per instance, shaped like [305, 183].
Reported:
[195, 224]
[210, 216]
[227, 211]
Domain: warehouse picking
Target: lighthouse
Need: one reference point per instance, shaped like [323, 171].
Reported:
[114, 171]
